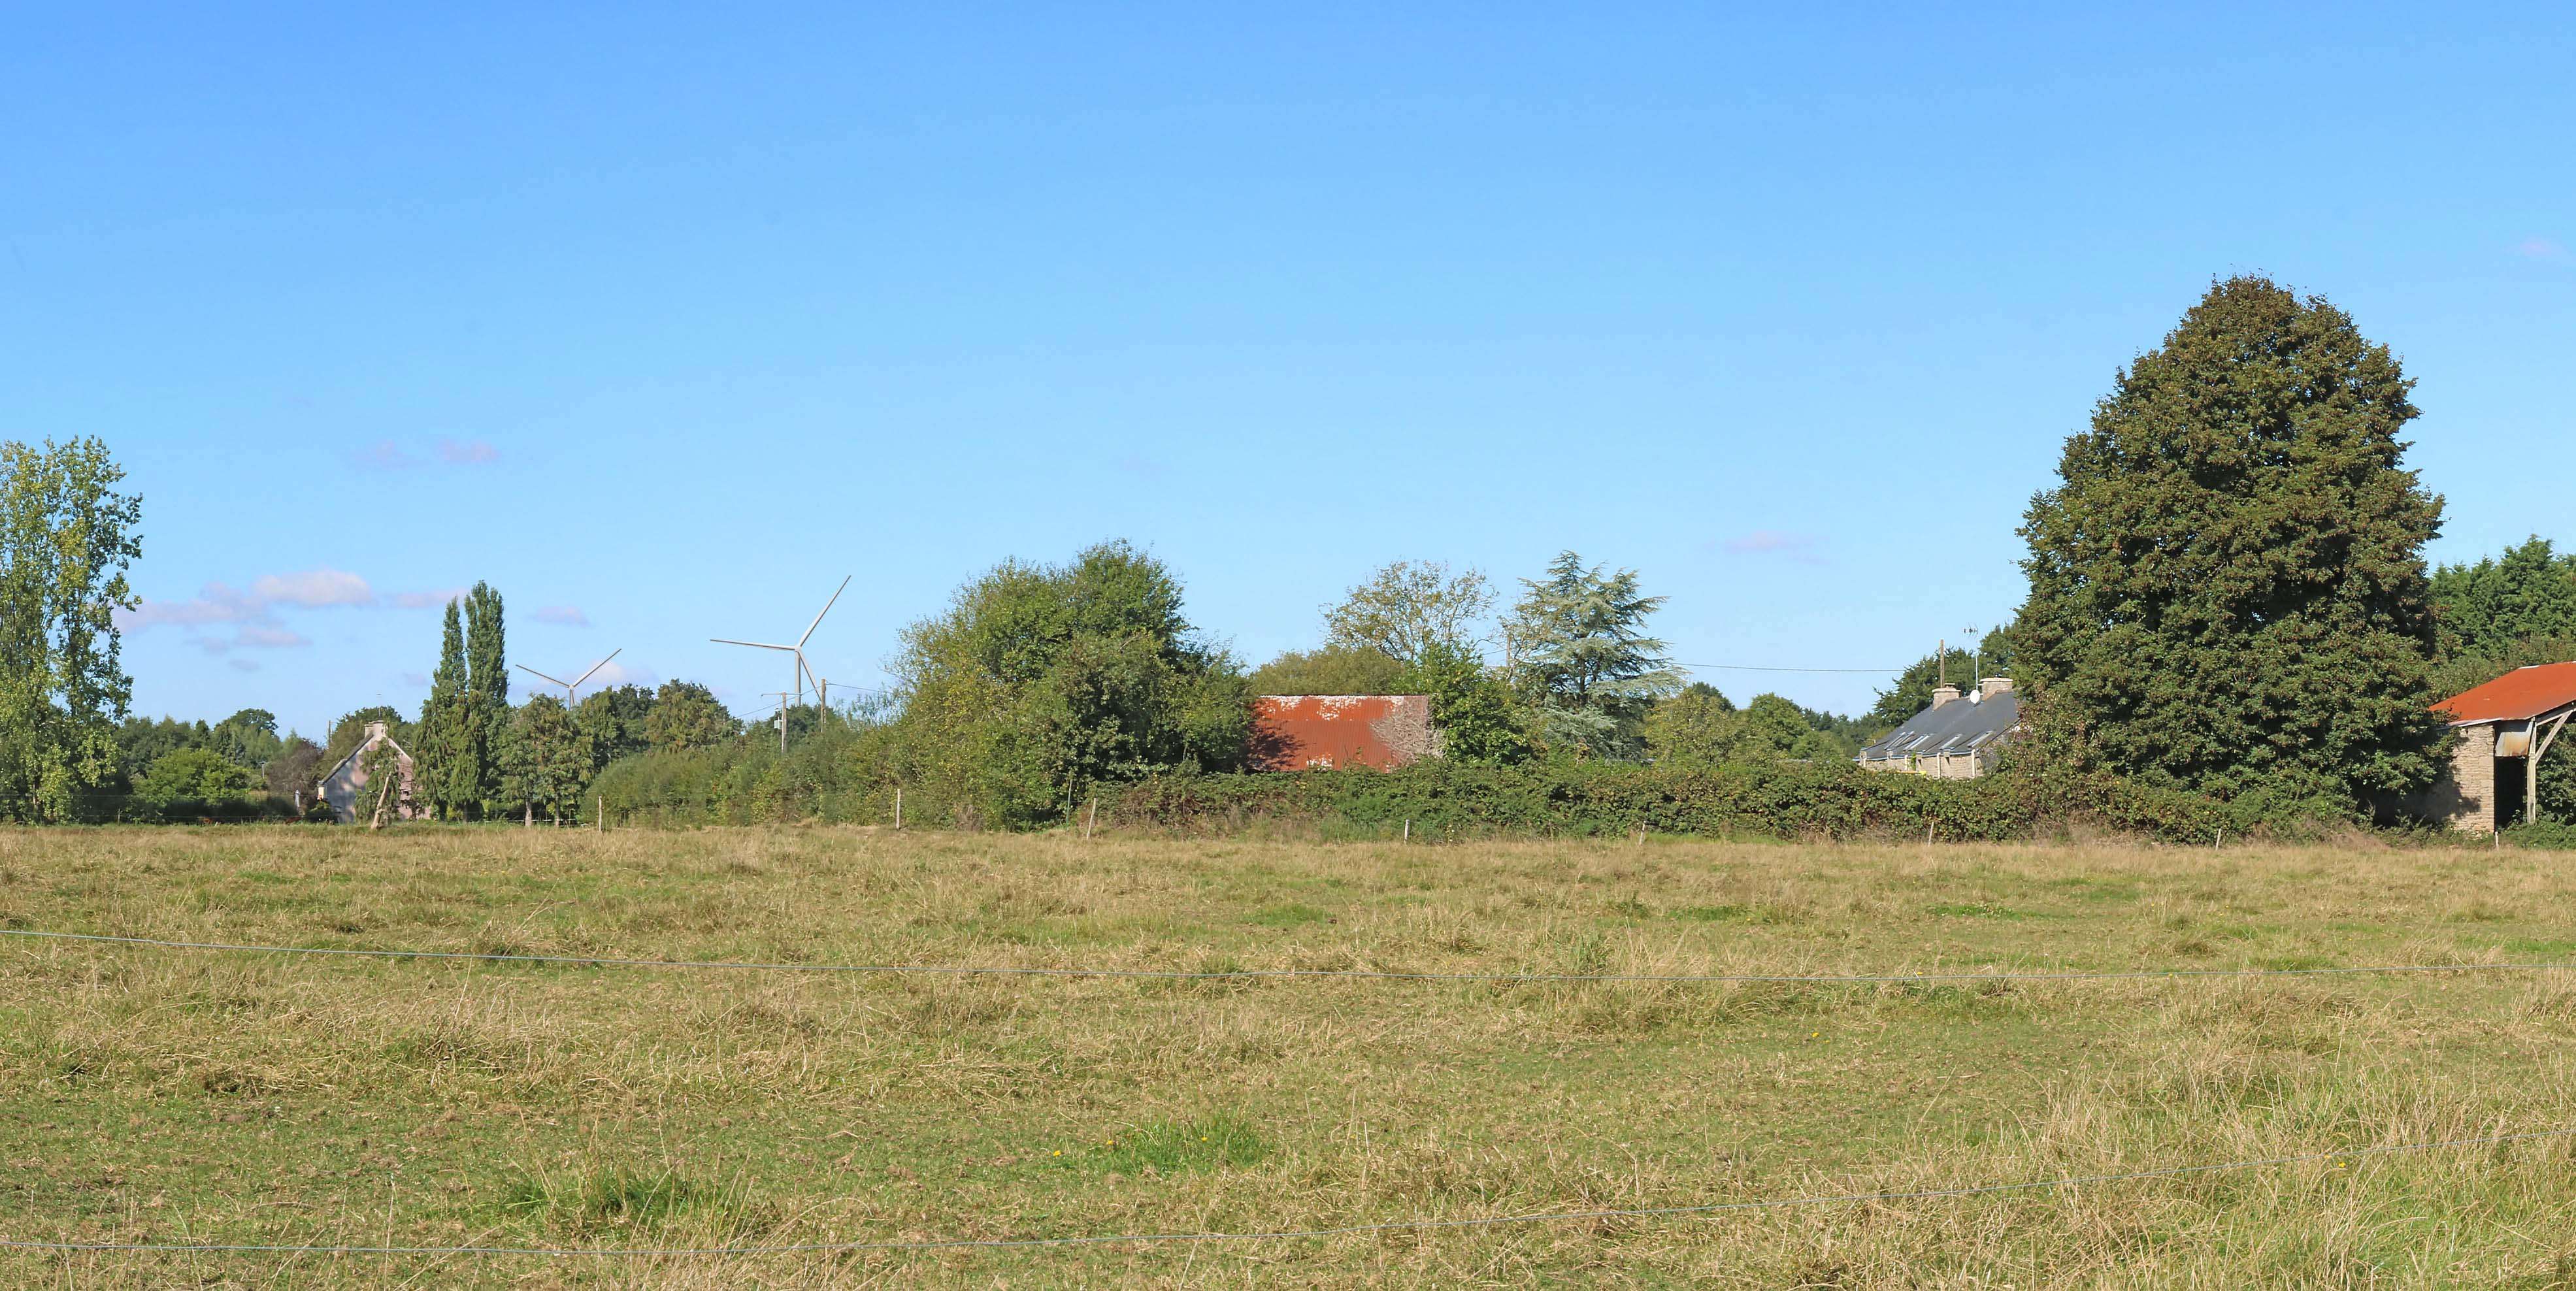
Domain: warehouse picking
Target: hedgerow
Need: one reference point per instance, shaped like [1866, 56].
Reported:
[1785, 800]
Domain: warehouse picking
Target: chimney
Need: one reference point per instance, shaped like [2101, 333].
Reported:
[375, 731]
[1943, 694]
[1990, 687]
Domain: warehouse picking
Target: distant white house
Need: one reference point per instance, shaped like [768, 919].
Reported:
[346, 787]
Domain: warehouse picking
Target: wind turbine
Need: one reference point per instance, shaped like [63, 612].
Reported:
[798, 649]
[572, 695]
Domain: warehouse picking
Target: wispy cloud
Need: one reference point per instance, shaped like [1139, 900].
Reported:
[426, 600]
[252, 614]
[312, 589]
[563, 616]
[467, 452]
[1800, 547]
[243, 665]
[251, 636]
[2545, 250]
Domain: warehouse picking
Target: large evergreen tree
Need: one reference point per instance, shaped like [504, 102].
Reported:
[2227, 586]
[1582, 659]
[487, 681]
[2488, 608]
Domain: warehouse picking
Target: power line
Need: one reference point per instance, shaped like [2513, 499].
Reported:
[1345, 1230]
[1754, 667]
[1177, 974]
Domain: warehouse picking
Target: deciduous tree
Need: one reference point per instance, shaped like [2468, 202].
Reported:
[687, 715]
[66, 539]
[1040, 680]
[1408, 607]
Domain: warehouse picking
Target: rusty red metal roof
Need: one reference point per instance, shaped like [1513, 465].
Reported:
[2517, 695]
[1316, 732]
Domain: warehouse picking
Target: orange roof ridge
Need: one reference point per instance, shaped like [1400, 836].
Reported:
[2521, 694]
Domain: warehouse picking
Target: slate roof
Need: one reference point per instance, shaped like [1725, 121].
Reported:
[1960, 726]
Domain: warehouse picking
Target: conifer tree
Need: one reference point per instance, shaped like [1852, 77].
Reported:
[1582, 659]
[2227, 586]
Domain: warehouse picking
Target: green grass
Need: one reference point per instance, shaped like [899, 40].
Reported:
[168, 1096]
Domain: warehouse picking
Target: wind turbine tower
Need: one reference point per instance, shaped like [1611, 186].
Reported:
[797, 650]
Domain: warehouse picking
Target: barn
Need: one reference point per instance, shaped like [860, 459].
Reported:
[1319, 732]
[2505, 727]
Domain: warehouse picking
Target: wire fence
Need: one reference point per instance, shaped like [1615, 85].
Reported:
[1294, 1234]
[1299, 974]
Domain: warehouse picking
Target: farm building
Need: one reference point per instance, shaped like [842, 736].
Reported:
[2505, 727]
[345, 788]
[1957, 738]
[1319, 732]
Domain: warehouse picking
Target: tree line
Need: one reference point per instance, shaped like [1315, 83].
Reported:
[2227, 597]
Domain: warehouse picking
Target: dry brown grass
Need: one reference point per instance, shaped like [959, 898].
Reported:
[152, 1095]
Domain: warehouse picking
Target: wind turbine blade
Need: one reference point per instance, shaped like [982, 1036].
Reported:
[599, 665]
[756, 645]
[827, 608]
[534, 673]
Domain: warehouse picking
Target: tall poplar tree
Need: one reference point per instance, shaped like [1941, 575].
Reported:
[2227, 586]
[487, 681]
[66, 537]
[449, 778]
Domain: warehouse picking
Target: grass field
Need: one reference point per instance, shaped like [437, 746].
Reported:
[217, 1097]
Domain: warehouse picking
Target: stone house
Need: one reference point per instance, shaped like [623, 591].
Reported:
[2504, 727]
[345, 788]
[1957, 738]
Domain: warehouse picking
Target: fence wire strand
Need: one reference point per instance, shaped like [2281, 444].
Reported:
[1358, 974]
[1278, 1235]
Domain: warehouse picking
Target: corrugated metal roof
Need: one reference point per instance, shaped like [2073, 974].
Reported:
[1302, 732]
[2520, 694]
[1960, 719]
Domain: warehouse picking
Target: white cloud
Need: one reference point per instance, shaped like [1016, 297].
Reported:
[467, 452]
[216, 604]
[426, 600]
[313, 589]
[253, 613]
[243, 665]
[565, 616]
[2544, 249]
[614, 673]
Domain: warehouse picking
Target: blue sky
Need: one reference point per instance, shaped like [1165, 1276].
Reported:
[662, 320]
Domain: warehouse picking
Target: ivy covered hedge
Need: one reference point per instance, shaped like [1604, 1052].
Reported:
[1823, 800]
